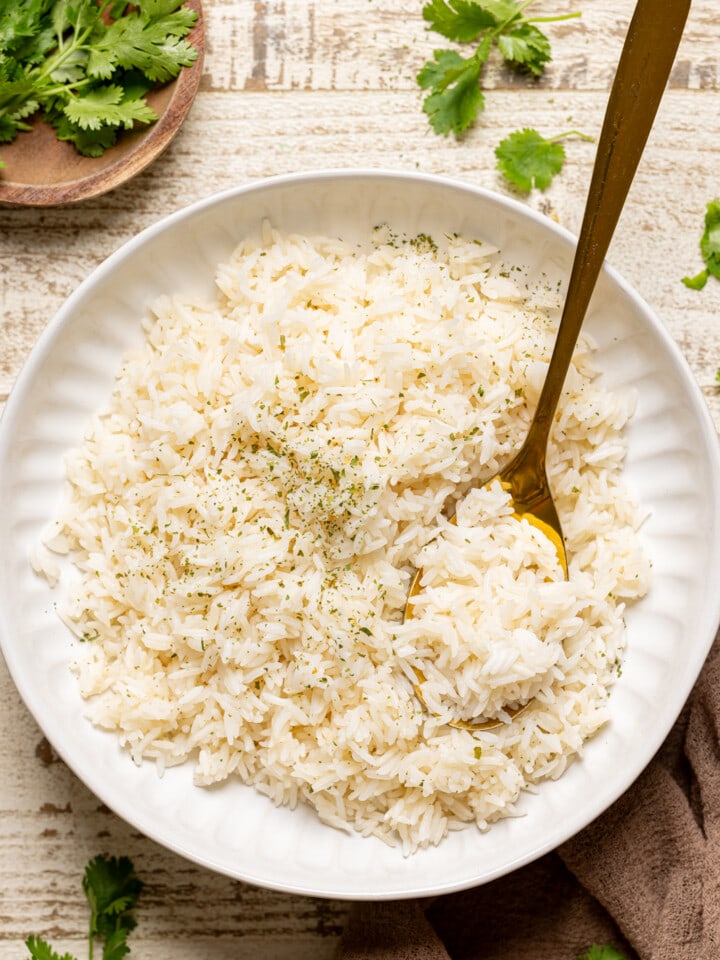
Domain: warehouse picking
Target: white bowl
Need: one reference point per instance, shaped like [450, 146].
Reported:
[673, 468]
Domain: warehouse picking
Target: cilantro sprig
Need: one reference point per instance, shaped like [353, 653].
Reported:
[596, 952]
[87, 65]
[527, 159]
[112, 889]
[709, 248]
[455, 97]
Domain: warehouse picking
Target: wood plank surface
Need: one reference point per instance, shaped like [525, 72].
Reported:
[292, 85]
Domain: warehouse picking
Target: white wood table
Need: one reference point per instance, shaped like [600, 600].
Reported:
[293, 85]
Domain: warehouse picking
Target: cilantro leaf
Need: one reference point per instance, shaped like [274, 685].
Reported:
[26, 110]
[709, 248]
[525, 47]
[152, 45]
[19, 22]
[9, 129]
[107, 106]
[596, 952]
[460, 20]
[504, 11]
[112, 889]
[456, 96]
[75, 15]
[89, 143]
[527, 159]
[115, 946]
[33, 50]
[40, 950]
[72, 67]
[16, 94]
[698, 281]
[16, 88]
[100, 63]
[160, 10]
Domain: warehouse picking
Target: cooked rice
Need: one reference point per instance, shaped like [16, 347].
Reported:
[247, 511]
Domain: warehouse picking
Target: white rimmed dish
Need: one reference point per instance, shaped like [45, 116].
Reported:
[673, 469]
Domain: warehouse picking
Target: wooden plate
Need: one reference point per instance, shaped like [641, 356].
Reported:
[42, 171]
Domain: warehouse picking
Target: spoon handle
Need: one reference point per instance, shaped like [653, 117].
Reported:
[647, 57]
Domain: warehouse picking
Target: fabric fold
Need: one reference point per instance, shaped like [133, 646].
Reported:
[390, 931]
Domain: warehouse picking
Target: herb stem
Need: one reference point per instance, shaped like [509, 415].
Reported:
[556, 19]
[572, 133]
[69, 88]
[55, 61]
[513, 16]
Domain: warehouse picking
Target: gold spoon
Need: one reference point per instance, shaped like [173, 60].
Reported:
[645, 62]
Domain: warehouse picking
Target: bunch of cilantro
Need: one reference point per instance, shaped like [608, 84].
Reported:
[87, 65]
[112, 889]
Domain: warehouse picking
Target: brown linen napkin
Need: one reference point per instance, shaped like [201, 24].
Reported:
[644, 877]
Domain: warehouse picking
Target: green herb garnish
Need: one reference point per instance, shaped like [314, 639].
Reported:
[112, 889]
[709, 248]
[596, 952]
[527, 159]
[455, 96]
[87, 65]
